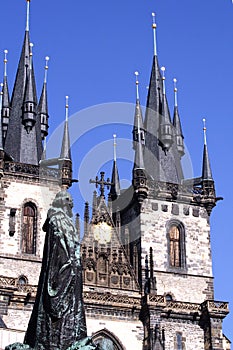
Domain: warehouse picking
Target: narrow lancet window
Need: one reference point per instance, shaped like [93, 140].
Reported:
[29, 229]
[174, 235]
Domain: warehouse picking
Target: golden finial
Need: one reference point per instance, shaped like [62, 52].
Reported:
[28, 15]
[137, 83]
[163, 78]
[46, 68]
[114, 147]
[5, 61]
[67, 108]
[204, 130]
[154, 26]
[175, 91]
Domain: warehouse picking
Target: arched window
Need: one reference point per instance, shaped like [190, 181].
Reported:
[174, 237]
[176, 244]
[107, 341]
[29, 228]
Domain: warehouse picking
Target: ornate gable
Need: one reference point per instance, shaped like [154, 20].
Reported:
[104, 259]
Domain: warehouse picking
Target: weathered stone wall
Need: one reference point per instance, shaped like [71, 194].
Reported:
[192, 282]
[15, 192]
[192, 335]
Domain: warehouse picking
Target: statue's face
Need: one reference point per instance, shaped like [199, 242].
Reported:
[68, 205]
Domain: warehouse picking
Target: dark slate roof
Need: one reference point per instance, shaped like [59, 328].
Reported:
[177, 123]
[43, 103]
[138, 122]
[65, 149]
[206, 169]
[6, 96]
[158, 165]
[22, 146]
[115, 188]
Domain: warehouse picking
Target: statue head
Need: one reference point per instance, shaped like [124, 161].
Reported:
[64, 201]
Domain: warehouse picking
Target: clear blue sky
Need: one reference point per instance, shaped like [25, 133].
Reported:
[95, 47]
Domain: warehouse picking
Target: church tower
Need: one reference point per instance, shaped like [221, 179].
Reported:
[169, 229]
[27, 187]
[145, 250]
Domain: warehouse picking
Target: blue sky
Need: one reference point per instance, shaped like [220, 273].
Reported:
[95, 48]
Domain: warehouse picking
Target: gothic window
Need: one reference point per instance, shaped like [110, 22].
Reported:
[107, 340]
[176, 244]
[29, 228]
[174, 236]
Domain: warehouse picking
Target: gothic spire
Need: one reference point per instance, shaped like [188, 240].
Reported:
[65, 156]
[139, 176]
[1, 139]
[137, 117]
[155, 89]
[165, 127]
[177, 124]
[161, 156]
[23, 141]
[138, 131]
[30, 99]
[115, 187]
[65, 149]
[5, 110]
[43, 104]
[206, 169]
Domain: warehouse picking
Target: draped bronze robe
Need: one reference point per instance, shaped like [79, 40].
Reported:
[58, 318]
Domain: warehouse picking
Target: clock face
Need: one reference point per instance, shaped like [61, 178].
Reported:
[102, 233]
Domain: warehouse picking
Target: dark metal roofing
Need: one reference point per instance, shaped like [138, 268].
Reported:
[22, 146]
[206, 169]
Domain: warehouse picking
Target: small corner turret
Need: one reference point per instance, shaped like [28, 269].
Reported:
[65, 156]
[179, 138]
[43, 104]
[208, 187]
[139, 174]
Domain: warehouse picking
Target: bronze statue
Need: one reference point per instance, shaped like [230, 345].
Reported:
[58, 318]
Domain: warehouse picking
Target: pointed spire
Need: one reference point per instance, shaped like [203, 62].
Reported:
[139, 177]
[165, 128]
[30, 100]
[5, 109]
[138, 160]
[1, 96]
[177, 124]
[65, 156]
[206, 169]
[65, 150]
[154, 26]
[5, 62]
[28, 15]
[175, 92]
[43, 104]
[23, 139]
[115, 187]
[138, 117]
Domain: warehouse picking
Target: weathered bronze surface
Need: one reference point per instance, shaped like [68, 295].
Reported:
[58, 319]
